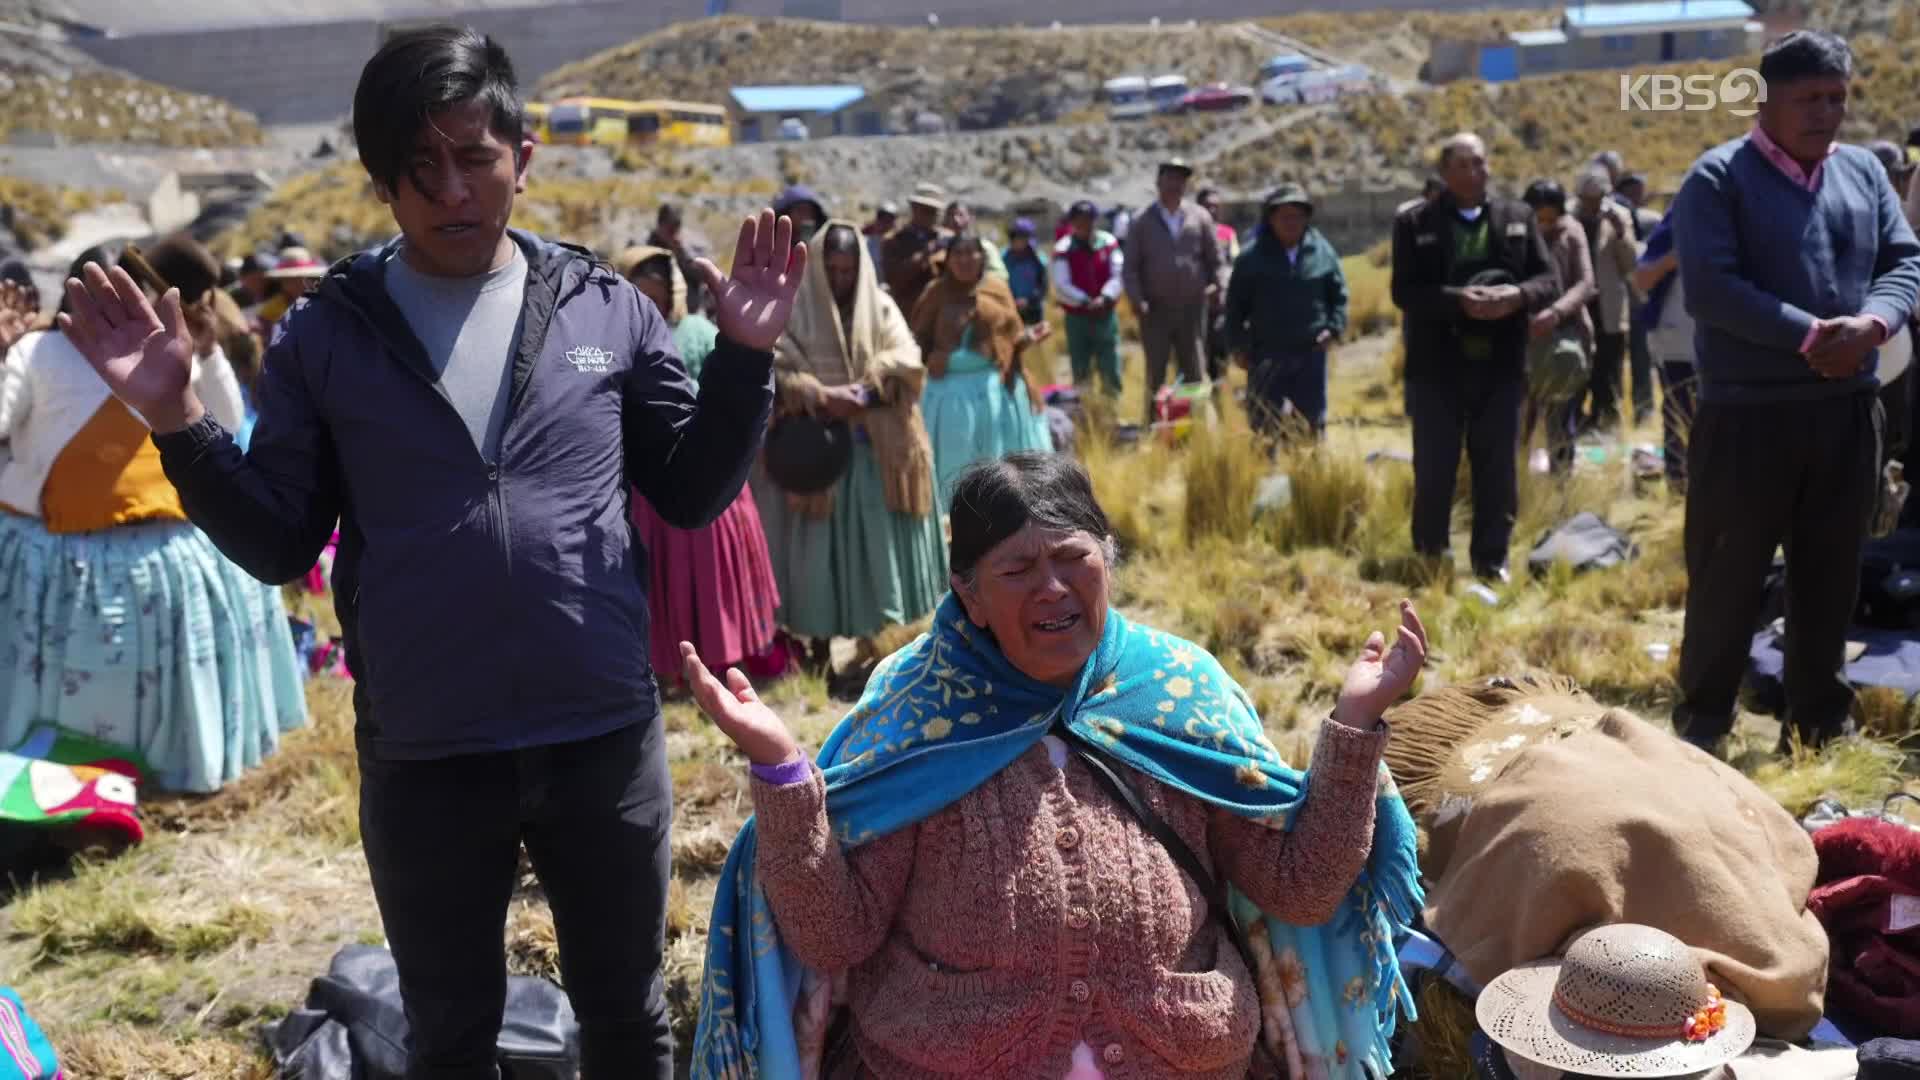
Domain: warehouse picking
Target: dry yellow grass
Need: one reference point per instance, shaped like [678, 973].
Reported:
[165, 962]
[107, 107]
[335, 209]
[40, 213]
[1397, 42]
[1553, 124]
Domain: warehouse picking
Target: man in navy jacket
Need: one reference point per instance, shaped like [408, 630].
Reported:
[473, 404]
[1796, 261]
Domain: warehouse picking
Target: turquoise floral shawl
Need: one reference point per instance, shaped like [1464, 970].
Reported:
[949, 711]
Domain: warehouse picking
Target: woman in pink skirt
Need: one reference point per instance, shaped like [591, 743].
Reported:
[712, 586]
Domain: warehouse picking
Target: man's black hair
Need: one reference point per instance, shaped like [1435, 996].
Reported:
[422, 72]
[669, 214]
[1805, 54]
[1545, 192]
[1433, 186]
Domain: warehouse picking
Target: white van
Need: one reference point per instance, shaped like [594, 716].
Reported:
[1127, 98]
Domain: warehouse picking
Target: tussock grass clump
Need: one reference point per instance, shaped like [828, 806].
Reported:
[1331, 496]
[1223, 470]
[1858, 773]
[122, 907]
[1370, 308]
[140, 1053]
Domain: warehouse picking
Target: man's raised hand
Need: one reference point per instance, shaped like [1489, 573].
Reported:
[756, 300]
[145, 356]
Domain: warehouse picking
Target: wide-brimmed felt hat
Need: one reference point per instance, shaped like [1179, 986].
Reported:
[1625, 1001]
[1176, 164]
[297, 262]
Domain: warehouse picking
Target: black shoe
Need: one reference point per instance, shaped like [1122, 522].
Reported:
[1493, 575]
[1814, 738]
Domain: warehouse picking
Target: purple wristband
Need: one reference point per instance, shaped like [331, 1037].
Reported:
[785, 773]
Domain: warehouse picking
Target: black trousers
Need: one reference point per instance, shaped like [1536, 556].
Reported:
[1640, 356]
[1603, 388]
[1801, 474]
[1679, 389]
[1477, 405]
[443, 842]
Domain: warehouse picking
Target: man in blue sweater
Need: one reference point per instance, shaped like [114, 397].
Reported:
[1796, 262]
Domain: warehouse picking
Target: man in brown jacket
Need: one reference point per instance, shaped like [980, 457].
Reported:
[1610, 242]
[911, 256]
[1173, 270]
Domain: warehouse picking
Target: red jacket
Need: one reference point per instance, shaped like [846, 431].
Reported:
[1082, 272]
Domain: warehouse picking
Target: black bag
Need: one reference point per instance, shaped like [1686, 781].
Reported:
[806, 455]
[353, 1026]
[1583, 540]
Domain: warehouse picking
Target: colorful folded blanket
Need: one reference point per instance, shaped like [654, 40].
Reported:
[58, 779]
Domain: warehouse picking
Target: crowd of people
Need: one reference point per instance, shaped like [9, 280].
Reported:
[1047, 841]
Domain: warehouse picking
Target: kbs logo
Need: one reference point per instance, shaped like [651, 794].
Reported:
[1740, 92]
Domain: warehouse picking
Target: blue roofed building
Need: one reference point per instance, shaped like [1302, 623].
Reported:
[1607, 35]
[769, 113]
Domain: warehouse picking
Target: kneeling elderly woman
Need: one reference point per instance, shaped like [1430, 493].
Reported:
[1003, 863]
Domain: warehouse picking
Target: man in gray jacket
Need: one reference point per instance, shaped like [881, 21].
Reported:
[1173, 271]
[473, 405]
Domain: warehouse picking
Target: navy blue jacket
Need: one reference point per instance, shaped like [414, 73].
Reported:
[486, 605]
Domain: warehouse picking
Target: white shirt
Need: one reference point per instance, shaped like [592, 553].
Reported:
[1174, 218]
[48, 392]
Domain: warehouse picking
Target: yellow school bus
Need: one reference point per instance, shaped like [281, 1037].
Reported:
[614, 124]
[536, 122]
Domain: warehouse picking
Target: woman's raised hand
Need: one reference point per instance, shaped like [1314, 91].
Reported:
[738, 712]
[1381, 675]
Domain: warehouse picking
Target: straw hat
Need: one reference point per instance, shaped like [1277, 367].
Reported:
[930, 196]
[1620, 1003]
[297, 262]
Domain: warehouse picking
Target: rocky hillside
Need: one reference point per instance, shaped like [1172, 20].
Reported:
[53, 90]
[976, 78]
[1397, 42]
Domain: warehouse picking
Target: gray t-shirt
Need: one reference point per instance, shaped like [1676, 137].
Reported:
[467, 326]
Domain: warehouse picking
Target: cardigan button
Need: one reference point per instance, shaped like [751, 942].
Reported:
[1113, 1054]
[1068, 839]
[1080, 990]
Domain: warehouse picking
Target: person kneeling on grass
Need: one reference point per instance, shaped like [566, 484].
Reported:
[471, 403]
[1051, 842]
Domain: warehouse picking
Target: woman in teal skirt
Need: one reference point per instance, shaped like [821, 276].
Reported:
[118, 619]
[867, 553]
[979, 404]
